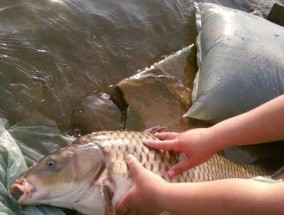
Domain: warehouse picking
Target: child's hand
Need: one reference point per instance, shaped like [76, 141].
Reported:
[195, 144]
[143, 196]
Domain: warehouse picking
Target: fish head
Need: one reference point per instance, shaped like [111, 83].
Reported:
[61, 178]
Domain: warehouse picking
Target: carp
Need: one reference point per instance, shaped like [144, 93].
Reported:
[90, 175]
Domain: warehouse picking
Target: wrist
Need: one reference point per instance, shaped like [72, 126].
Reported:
[164, 197]
[216, 140]
[174, 197]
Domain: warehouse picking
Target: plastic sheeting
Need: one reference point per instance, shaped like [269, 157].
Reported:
[12, 163]
[240, 59]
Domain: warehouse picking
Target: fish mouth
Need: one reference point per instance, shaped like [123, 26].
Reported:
[21, 190]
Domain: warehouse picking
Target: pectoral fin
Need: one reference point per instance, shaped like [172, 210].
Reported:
[108, 196]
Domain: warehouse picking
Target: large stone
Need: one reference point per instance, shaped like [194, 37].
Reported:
[96, 113]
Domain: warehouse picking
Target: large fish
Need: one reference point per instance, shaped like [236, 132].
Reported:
[90, 176]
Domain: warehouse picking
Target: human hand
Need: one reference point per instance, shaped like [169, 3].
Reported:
[143, 196]
[196, 145]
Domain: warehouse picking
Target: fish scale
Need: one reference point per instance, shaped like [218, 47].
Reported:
[122, 143]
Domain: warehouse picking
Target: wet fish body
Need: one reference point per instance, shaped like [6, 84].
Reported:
[91, 175]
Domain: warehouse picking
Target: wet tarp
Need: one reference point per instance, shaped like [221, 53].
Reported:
[13, 162]
[240, 66]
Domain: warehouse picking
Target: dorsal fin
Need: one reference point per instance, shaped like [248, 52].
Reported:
[155, 129]
[108, 195]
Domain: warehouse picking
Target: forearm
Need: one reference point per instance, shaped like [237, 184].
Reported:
[230, 197]
[262, 124]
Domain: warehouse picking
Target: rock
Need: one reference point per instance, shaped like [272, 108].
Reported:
[96, 113]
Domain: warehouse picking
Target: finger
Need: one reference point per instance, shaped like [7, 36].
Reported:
[121, 207]
[163, 144]
[180, 167]
[134, 165]
[166, 135]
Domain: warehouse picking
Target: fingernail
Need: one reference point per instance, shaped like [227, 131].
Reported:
[129, 157]
[146, 141]
[171, 173]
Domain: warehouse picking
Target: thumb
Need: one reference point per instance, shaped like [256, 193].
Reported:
[134, 165]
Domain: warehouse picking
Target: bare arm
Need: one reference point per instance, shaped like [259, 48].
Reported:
[150, 194]
[230, 196]
[262, 124]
